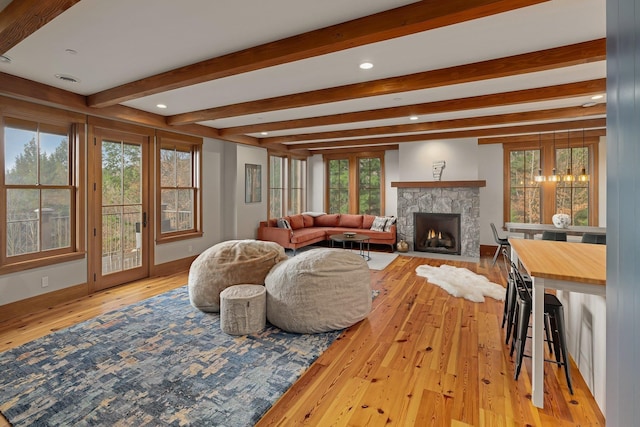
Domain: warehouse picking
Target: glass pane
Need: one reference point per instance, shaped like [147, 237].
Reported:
[169, 209]
[183, 169]
[132, 173]
[56, 219]
[54, 159]
[112, 179]
[563, 200]
[167, 167]
[20, 156]
[275, 203]
[531, 166]
[184, 217]
[516, 168]
[532, 205]
[121, 238]
[581, 206]
[23, 225]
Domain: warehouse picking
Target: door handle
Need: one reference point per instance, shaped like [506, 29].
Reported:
[144, 219]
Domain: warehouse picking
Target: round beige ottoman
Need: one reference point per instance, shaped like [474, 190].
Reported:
[243, 309]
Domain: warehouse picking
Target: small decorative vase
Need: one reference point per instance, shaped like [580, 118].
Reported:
[561, 220]
[402, 246]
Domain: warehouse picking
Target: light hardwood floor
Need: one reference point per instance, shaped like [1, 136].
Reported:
[421, 358]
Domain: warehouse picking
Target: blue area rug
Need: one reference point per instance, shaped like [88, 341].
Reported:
[157, 362]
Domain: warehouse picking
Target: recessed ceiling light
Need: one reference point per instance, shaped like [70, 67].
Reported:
[589, 104]
[366, 66]
[264, 133]
[71, 51]
[161, 106]
[413, 117]
[597, 97]
[5, 59]
[67, 78]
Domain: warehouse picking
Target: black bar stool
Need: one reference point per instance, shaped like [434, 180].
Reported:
[554, 325]
[598, 239]
[503, 242]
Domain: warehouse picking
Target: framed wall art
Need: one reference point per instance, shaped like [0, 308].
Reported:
[252, 183]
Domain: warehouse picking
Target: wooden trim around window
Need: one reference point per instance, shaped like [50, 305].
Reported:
[547, 204]
[184, 142]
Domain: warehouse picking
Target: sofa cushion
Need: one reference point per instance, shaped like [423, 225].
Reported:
[330, 220]
[303, 235]
[378, 223]
[308, 220]
[367, 221]
[350, 221]
[390, 221]
[283, 223]
[296, 222]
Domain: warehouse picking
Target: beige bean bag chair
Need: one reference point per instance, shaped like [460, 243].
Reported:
[318, 291]
[230, 263]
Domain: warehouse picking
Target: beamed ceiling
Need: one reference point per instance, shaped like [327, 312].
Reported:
[284, 74]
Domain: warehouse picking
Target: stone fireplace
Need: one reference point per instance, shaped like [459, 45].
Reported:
[461, 198]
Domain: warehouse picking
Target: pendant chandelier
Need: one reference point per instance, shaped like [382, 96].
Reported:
[583, 177]
[539, 177]
[568, 177]
[554, 177]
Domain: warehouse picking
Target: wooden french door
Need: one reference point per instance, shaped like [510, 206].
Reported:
[118, 207]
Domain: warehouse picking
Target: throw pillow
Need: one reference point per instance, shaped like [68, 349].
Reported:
[283, 223]
[378, 223]
[390, 221]
[314, 214]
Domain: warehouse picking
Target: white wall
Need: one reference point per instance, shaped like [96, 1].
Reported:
[391, 174]
[490, 169]
[416, 160]
[315, 185]
[248, 215]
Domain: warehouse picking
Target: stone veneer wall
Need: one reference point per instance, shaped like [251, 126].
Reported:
[462, 200]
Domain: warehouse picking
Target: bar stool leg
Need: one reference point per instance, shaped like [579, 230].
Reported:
[563, 346]
[523, 327]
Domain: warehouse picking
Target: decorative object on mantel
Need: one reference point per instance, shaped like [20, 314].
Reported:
[437, 169]
[561, 220]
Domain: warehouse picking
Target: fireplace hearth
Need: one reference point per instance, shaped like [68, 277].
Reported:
[437, 232]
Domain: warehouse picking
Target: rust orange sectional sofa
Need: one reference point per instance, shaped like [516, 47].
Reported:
[306, 229]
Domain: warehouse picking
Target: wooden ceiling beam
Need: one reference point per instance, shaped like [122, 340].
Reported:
[547, 93]
[534, 138]
[525, 116]
[559, 57]
[27, 90]
[21, 18]
[405, 20]
[474, 133]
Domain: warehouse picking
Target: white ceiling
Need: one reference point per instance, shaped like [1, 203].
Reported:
[120, 41]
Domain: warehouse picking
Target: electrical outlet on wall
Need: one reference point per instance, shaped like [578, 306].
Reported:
[45, 281]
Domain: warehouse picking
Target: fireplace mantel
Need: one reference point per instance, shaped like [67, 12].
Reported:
[438, 184]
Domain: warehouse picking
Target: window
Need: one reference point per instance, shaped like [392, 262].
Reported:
[355, 183]
[528, 201]
[287, 185]
[180, 199]
[40, 197]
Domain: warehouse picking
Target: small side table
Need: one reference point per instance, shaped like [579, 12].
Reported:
[361, 239]
[243, 309]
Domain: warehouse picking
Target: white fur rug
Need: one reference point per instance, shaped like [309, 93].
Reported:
[461, 282]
